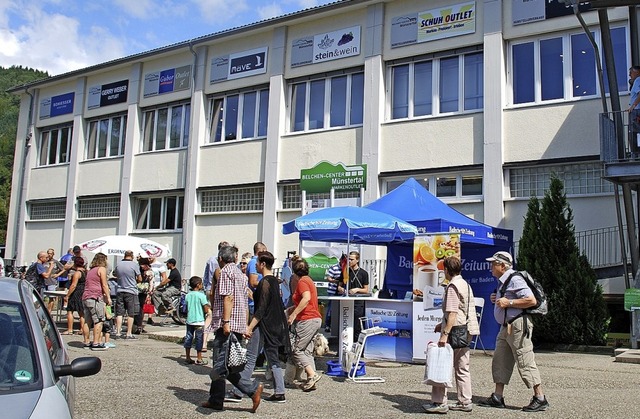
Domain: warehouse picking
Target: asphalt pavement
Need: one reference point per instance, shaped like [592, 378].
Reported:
[147, 378]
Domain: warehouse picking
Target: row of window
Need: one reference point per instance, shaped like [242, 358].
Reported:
[166, 212]
[433, 86]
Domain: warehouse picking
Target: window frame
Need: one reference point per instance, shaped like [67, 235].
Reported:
[408, 96]
[310, 85]
[144, 224]
[430, 182]
[151, 143]
[91, 207]
[567, 67]
[233, 199]
[38, 209]
[109, 136]
[217, 124]
[44, 156]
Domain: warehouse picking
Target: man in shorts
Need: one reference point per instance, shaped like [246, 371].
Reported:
[128, 274]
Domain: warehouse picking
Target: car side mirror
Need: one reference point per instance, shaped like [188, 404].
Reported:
[79, 367]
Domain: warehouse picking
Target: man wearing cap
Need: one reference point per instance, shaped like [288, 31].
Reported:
[168, 288]
[513, 343]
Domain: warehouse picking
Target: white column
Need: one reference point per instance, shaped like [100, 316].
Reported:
[494, 94]
[275, 130]
[198, 135]
[24, 159]
[76, 155]
[131, 146]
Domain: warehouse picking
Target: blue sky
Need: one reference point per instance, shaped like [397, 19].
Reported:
[64, 35]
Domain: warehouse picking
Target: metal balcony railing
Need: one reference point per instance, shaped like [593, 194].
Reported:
[619, 137]
[601, 246]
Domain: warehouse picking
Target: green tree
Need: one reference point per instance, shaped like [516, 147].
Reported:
[9, 111]
[549, 251]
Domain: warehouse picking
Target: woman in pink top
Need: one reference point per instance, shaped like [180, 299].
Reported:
[305, 319]
[96, 293]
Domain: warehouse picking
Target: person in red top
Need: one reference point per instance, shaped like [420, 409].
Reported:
[306, 320]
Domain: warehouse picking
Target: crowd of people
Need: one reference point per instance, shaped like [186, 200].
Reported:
[240, 296]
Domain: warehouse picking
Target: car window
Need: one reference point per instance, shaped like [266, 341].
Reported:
[17, 366]
[49, 330]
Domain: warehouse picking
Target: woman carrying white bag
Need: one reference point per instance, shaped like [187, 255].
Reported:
[458, 324]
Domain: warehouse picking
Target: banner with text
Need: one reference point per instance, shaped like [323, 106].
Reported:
[167, 81]
[326, 47]
[325, 176]
[57, 105]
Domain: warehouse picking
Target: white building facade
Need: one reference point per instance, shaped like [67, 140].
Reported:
[204, 140]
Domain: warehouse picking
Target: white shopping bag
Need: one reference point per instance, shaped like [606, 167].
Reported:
[439, 368]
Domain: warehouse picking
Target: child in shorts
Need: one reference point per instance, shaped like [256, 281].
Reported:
[198, 310]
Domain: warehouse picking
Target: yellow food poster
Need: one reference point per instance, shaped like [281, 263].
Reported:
[429, 252]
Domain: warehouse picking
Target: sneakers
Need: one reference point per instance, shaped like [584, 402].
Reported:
[492, 401]
[99, 347]
[438, 408]
[110, 345]
[150, 321]
[536, 405]
[278, 398]
[461, 407]
[311, 382]
[232, 397]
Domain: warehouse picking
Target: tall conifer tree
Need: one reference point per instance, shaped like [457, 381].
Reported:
[549, 251]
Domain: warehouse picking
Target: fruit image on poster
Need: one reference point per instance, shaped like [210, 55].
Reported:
[429, 252]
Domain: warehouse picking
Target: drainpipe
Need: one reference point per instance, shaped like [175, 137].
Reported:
[23, 169]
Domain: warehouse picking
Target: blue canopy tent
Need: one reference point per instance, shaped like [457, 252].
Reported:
[411, 202]
[351, 225]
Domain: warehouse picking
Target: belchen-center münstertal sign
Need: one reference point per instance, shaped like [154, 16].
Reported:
[324, 176]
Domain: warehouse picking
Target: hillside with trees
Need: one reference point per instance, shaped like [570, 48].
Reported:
[9, 110]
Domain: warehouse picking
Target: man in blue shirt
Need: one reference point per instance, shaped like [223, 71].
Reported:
[252, 270]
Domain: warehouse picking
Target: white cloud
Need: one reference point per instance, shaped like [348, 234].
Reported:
[53, 42]
[221, 11]
[269, 11]
[141, 9]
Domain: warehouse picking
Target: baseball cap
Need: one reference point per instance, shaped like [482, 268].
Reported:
[502, 257]
[76, 249]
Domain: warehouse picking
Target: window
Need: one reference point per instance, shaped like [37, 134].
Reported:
[292, 196]
[98, 207]
[448, 186]
[540, 72]
[106, 137]
[55, 144]
[53, 209]
[242, 115]
[336, 101]
[159, 213]
[166, 128]
[233, 199]
[578, 179]
[437, 86]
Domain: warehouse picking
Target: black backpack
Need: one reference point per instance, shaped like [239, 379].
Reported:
[32, 276]
[541, 308]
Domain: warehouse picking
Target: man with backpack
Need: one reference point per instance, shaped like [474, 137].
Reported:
[513, 343]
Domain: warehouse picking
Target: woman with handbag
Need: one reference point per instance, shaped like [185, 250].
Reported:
[458, 324]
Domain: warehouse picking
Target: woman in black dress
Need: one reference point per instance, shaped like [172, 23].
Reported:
[73, 299]
[268, 327]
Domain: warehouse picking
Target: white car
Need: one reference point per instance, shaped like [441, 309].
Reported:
[36, 377]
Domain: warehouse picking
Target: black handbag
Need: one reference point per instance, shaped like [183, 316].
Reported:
[459, 335]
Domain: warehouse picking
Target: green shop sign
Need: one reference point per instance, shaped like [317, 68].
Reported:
[631, 298]
[324, 176]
